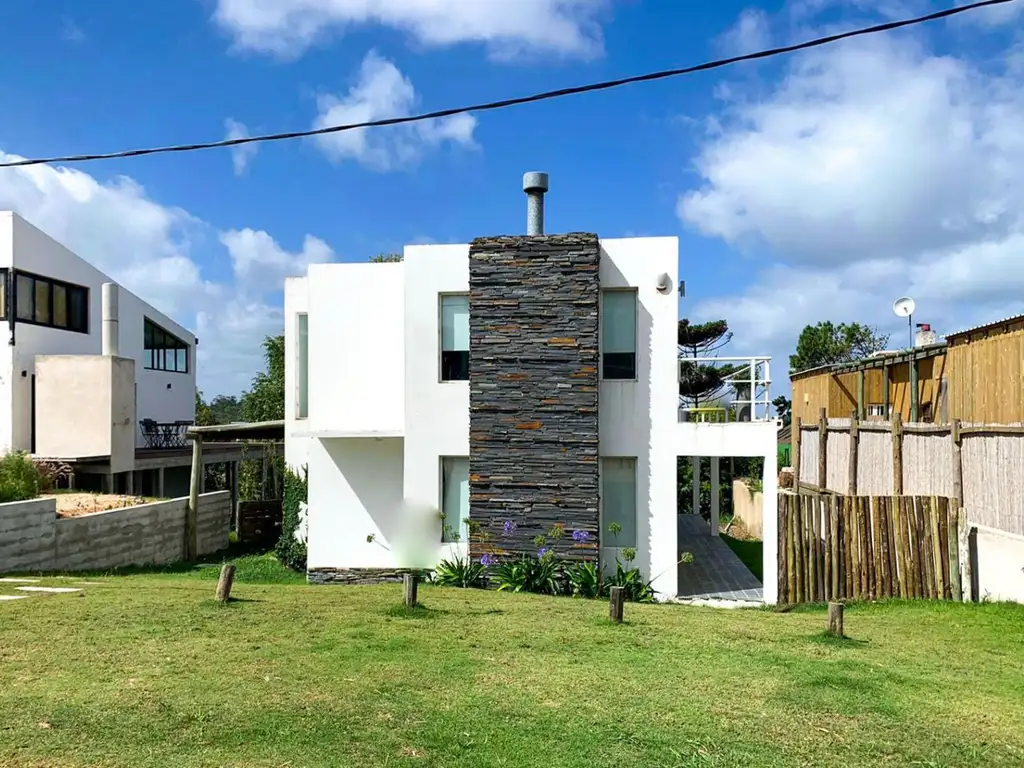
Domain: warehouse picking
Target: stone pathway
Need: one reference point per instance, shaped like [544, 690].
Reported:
[26, 588]
[716, 573]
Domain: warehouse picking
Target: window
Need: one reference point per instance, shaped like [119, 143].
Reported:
[302, 400]
[454, 499]
[163, 351]
[618, 502]
[455, 338]
[3, 294]
[618, 334]
[53, 303]
[876, 411]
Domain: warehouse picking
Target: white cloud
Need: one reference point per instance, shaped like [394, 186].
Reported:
[152, 250]
[382, 91]
[751, 32]
[242, 154]
[872, 169]
[287, 28]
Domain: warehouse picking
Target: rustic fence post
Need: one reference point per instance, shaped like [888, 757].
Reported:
[897, 454]
[192, 511]
[955, 588]
[966, 566]
[958, 467]
[795, 447]
[835, 620]
[410, 582]
[851, 480]
[227, 579]
[823, 450]
[616, 603]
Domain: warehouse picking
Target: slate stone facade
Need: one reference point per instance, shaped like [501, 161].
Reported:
[356, 576]
[533, 402]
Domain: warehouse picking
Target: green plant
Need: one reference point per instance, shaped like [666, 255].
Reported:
[20, 479]
[584, 579]
[460, 572]
[635, 587]
[541, 574]
[290, 550]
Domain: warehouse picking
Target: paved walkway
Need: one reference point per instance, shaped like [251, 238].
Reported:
[21, 589]
[716, 573]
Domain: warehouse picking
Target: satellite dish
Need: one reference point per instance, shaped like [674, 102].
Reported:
[904, 306]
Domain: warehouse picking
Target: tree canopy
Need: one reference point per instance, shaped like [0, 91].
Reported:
[702, 382]
[265, 399]
[385, 258]
[827, 344]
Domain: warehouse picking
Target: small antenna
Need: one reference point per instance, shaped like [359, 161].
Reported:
[904, 306]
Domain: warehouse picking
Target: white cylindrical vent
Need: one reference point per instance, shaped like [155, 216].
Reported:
[109, 303]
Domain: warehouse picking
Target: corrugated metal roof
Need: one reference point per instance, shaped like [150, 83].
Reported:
[985, 326]
[875, 361]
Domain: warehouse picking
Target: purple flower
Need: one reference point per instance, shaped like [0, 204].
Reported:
[488, 559]
[543, 551]
[580, 536]
[509, 527]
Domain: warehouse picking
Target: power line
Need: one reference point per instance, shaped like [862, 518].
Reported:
[492, 105]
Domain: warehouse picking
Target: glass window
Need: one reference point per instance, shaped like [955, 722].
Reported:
[42, 302]
[618, 502]
[302, 400]
[60, 306]
[455, 338]
[25, 293]
[53, 303]
[163, 351]
[78, 309]
[618, 334]
[455, 499]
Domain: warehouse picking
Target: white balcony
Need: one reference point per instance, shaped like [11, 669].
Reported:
[746, 394]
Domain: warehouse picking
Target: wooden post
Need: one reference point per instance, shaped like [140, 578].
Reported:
[955, 591]
[964, 546]
[160, 483]
[795, 460]
[823, 450]
[958, 467]
[410, 583]
[859, 413]
[192, 513]
[897, 454]
[227, 578]
[886, 383]
[851, 479]
[616, 603]
[914, 395]
[835, 620]
[233, 484]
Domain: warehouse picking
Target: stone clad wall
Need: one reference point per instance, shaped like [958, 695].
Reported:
[533, 361]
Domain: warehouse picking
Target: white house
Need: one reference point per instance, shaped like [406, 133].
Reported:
[77, 378]
[527, 379]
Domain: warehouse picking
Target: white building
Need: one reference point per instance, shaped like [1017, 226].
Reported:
[571, 415]
[62, 393]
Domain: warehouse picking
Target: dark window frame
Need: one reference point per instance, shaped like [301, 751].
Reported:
[157, 342]
[77, 322]
[620, 366]
[454, 363]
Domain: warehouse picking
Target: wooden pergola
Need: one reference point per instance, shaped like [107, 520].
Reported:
[261, 430]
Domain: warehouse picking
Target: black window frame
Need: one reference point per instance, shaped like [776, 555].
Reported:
[454, 362]
[620, 366]
[77, 322]
[157, 341]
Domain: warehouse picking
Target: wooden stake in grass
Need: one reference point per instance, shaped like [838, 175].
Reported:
[227, 578]
[410, 583]
[616, 604]
[835, 619]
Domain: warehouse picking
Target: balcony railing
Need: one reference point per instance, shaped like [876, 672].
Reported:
[747, 393]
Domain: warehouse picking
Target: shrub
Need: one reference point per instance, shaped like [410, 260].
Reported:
[289, 549]
[461, 572]
[584, 579]
[541, 574]
[20, 479]
[635, 588]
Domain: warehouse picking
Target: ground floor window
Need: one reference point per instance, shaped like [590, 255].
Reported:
[618, 502]
[454, 498]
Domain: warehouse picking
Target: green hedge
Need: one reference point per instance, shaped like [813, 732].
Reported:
[290, 551]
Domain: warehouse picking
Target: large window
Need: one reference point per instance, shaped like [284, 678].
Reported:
[3, 294]
[302, 396]
[162, 350]
[454, 338]
[53, 303]
[454, 499]
[618, 502]
[618, 334]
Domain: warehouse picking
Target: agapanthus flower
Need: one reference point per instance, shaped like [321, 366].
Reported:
[488, 559]
[543, 551]
[509, 527]
[580, 536]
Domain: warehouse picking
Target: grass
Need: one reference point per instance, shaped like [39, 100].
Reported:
[750, 551]
[147, 670]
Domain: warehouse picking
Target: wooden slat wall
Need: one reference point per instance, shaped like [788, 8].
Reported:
[810, 395]
[867, 548]
[986, 376]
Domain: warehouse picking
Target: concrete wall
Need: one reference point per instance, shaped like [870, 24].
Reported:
[161, 395]
[998, 562]
[748, 507]
[296, 439]
[32, 539]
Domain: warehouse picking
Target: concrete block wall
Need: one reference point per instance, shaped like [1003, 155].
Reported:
[32, 539]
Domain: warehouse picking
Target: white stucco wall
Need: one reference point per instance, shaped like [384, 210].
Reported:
[161, 395]
[999, 567]
[296, 443]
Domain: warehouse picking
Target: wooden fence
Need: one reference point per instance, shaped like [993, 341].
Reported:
[978, 466]
[868, 548]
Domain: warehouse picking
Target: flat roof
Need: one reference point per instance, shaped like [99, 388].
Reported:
[259, 430]
[875, 361]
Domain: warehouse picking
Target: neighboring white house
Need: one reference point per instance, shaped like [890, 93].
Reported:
[50, 303]
[571, 415]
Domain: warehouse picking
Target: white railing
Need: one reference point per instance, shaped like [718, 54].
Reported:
[750, 386]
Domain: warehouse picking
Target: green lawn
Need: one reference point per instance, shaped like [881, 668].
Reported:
[146, 670]
[750, 551]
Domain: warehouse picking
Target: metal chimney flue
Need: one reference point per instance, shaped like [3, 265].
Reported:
[110, 330]
[535, 184]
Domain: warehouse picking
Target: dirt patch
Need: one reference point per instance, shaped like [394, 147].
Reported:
[737, 530]
[78, 504]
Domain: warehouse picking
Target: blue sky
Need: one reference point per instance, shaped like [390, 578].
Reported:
[812, 187]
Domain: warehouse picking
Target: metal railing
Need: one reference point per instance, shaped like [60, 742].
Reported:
[749, 398]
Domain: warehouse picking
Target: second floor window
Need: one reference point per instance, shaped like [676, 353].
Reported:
[162, 350]
[618, 334]
[53, 303]
[455, 337]
[302, 399]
